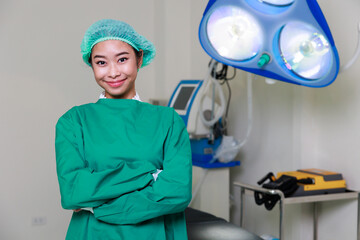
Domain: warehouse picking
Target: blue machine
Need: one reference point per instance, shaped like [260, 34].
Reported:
[183, 97]
[188, 101]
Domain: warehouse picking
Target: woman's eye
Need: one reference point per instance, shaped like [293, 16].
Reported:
[100, 63]
[122, 59]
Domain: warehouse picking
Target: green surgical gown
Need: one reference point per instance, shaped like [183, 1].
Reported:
[106, 153]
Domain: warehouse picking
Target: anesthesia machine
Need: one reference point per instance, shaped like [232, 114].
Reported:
[204, 113]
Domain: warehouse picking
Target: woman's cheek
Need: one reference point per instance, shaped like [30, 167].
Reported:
[99, 72]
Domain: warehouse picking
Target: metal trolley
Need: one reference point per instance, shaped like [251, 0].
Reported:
[315, 199]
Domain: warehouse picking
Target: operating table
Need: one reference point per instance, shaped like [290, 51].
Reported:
[205, 226]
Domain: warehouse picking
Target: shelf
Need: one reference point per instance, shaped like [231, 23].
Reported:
[347, 195]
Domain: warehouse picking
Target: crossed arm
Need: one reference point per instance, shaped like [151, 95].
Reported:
[130, 198]
[170, 193]
[82, 187]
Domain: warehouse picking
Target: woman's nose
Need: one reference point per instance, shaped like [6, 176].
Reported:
[114, 71]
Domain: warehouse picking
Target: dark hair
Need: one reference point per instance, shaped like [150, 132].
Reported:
[138, 55]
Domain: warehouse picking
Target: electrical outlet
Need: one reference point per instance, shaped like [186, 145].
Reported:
[37, 221]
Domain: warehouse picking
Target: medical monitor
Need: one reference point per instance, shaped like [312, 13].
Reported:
[183, 96]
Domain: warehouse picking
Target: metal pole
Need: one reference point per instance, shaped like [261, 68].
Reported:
[315, 220]
[281, 227]
[358, 218]
[242, 191]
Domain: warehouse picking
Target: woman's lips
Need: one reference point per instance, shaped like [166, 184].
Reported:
[115, 84]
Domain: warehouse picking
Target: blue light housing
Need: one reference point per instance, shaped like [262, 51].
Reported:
[293, 33]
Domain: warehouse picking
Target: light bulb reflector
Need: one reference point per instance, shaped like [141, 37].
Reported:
[279, 3]
[305, 50]
[234, 33]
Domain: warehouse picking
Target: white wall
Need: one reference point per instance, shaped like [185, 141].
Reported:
[42, 76]
[297, 127]
[294, 127]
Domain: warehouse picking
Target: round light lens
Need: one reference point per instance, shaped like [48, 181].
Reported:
[305, 51]
[279, 3]
[234, 33]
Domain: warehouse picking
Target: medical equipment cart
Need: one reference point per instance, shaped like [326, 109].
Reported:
[315, 199]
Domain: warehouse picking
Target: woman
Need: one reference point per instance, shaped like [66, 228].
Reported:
[123, 166]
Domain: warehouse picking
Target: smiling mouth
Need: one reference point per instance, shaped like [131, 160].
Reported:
[115, 83]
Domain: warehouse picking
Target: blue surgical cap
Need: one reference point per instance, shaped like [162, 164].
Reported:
[109, 29]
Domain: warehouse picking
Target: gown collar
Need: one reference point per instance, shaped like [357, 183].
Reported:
[136, 97]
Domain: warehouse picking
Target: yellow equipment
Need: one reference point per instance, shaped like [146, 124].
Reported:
[316, 181]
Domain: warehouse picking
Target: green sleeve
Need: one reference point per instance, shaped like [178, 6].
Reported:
[170, 193]
[81, 186]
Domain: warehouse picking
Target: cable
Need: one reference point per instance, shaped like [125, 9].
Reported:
[198, 186]
[250, 108]
[227, 109]
[220, 112]
[250, 120]
[221, 76]
[355, 56]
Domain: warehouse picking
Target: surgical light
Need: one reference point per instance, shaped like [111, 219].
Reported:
[234, 33]
[287, 40]
[305, 51]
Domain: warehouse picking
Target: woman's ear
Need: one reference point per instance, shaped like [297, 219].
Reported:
[140, 58]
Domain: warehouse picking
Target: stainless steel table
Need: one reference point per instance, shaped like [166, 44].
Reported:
[292, 200]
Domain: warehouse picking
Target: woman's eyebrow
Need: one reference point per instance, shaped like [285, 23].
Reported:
[99, 56]
[119, 54]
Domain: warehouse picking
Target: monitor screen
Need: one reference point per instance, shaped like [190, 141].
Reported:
[183, 97]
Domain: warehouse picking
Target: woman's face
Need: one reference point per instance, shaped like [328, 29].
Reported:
[115, 68]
